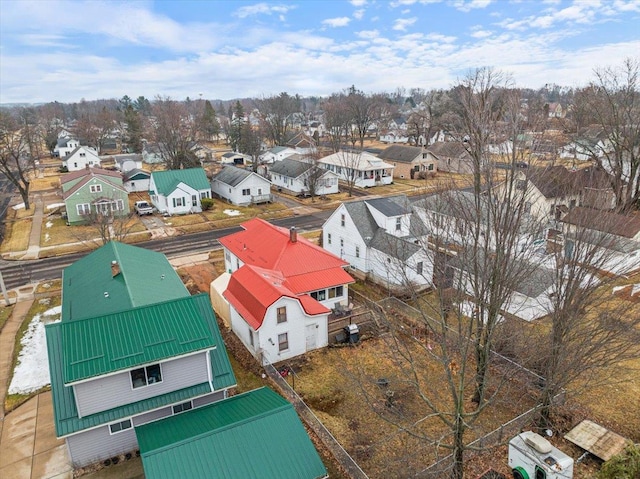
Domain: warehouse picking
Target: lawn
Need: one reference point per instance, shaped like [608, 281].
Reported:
[17, 230]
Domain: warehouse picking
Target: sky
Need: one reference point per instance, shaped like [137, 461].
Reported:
[63, 50]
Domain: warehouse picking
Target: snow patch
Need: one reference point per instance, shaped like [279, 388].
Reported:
[49, 224]
[19, 206]
[55, 205]
[32, 371]
[232, 212]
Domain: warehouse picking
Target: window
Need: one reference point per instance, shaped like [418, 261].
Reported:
[194, 199]
[178, 202]
[320, 295]
[419, 267]
[341, 242]
[329, 238]
[204, 194]
[83, 209]
[357, 251]
[117, 427]
[95, 188]
[185, 406]
[335, 292]
[246, 192]
[282, 314]
[430, 167]
[283, 341]
[342, 220]
[251, 337]
[82, 155]
[540, 473]
[398, 224]
[144, 376]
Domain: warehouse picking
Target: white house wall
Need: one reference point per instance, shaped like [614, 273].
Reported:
[256, 185]
[385, 268]
[266, 338]
[186, 193]
[136, 185]
[104, 393]
[343, 241]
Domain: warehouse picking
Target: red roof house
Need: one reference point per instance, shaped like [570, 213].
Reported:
[281, 290]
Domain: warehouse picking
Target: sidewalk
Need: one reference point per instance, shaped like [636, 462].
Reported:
[36, 229]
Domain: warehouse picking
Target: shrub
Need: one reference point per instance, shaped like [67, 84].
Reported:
[623, 466]
[207, 204]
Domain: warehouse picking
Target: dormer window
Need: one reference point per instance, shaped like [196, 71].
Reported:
[95, 188]
[282, 314]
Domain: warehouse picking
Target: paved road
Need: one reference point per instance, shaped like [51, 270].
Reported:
[19, 273]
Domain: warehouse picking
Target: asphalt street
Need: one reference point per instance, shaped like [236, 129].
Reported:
[19, 273]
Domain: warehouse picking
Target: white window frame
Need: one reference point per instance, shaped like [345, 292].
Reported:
[83, 209]
[95, 188]
[284, 335]
[146, 376]
[120, 423]
[246, 192]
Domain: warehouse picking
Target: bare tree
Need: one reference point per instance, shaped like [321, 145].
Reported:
[313, 179]
[612, 102]
[364, 111]
[277, 116]
[109, 219]
[347, 166]
[591, 330]
[175, 132]
[17, 151]
[337, 120]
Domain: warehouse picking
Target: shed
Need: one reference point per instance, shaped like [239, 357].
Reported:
[218, 302]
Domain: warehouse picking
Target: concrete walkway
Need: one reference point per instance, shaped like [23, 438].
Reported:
[36, 229]
[29, 448]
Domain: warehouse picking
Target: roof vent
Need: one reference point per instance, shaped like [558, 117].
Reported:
[293, 234]
[115, 268]
[106, 294]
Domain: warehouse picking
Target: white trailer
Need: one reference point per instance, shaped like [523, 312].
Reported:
[531, 456]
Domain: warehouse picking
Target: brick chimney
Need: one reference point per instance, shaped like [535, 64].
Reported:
[115, 268]
[293, 234]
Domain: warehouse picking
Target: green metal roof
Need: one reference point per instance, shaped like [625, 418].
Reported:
[105, 344]
[255, 434]
[90, 289]
[167, 181]
[64, 405]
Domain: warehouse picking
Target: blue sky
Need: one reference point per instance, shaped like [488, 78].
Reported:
[68, 50]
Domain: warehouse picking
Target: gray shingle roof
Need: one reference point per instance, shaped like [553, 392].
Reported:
[362, 219]
[232, 176]
[400, 153]
[450, 149]
[390, 206]
[290, 168]
[391, 245]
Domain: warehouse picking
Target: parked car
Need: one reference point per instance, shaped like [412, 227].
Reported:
[143, 208]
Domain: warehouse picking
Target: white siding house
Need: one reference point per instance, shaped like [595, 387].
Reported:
[80, 158]
[178, 192]
[376, 238]
[241, 187]
[363, 168]
[296, 176]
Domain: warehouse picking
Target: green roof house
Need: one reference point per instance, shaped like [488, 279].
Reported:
[132, 347]
[255, 434]
[178, 192]
[93, 191]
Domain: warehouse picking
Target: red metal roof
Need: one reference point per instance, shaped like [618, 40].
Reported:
[306, 266]
[252, 290]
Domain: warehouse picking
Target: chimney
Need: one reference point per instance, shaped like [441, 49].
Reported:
[115, 268]
[293, 234]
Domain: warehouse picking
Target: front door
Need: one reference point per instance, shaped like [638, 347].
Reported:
[312, 334]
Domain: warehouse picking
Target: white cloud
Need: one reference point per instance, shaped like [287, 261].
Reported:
[358, 3]
[402, 23]
[358, 14]
[467, 6]
[368, 34]
[437, 37]
[262, 9]
[481, 33]
[336, 22]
